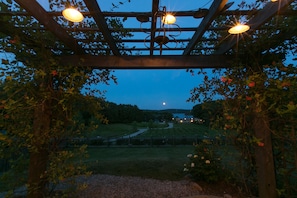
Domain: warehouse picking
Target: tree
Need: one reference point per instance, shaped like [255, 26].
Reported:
[40, 103]
[208, 111]
[122, 113]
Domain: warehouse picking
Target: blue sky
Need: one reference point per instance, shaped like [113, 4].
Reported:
[149, 89]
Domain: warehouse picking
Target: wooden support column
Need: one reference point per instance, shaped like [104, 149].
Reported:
[263, 150]
[37, 178]
[264, 158]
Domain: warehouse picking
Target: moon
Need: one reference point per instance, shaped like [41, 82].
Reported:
[164, 103]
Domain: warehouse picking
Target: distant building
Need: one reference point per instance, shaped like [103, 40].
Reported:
[183, 118]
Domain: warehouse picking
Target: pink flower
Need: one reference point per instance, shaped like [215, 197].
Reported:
[248, 98]
[251, 84]
[227, 127]
[224, 79]
[54, 72]
[228, 117]
[286, 84]
[12, 41]
[260, 144]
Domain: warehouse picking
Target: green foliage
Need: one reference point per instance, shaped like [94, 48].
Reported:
[204, 164]
[258, 84]
[64, 166]
[17, 169]
[122, 113]
[270, 93]
[208, 111]
[44, 102]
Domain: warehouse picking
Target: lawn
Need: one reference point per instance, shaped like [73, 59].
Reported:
[182, 130]
[113, 130]
[165, 163]
[160, 162]
[117, 130]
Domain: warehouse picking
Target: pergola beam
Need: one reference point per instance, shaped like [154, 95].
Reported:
[155, 7]
[101, 23]
[148, 62]
[135, 14]
[214, 10]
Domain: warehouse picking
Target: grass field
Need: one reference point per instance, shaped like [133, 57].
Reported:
[182, 130]
[113, 130]
[159, 162]
[116, 130]
[165, 163]
[159, 130]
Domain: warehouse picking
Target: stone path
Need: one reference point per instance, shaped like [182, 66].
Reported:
[140, 131]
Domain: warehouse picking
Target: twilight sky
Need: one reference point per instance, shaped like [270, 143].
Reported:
[149, 89]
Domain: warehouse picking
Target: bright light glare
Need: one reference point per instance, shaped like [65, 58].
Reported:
[169, 19]
[238, 29]
[164, 103]
[72, 15]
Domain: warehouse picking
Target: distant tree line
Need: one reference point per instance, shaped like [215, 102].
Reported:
[126, 113]
[208, 111]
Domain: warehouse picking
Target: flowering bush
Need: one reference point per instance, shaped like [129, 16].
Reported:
[204, 164]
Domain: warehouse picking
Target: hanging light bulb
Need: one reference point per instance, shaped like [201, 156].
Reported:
[73, 15]
[168, 19]
[238, 29]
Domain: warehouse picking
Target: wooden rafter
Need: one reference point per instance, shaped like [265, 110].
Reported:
[214, 10]
[155, 8]
[101, 23]
[135, 14]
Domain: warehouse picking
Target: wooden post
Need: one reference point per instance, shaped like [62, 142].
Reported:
[264, 158]
[37, 178]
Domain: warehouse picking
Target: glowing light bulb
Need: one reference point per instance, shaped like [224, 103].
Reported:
[72, 15]
[238, 29]
[168, 19]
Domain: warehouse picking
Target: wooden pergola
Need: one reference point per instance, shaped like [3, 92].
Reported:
[97, 44]
[198, 50]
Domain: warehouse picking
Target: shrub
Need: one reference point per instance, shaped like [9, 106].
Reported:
[204, 164]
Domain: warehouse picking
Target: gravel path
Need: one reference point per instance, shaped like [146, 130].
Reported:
[107, 186]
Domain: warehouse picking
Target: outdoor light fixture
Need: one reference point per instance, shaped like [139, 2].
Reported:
[166, 20]
[238, 29]
[273, 0]
[73, 15]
